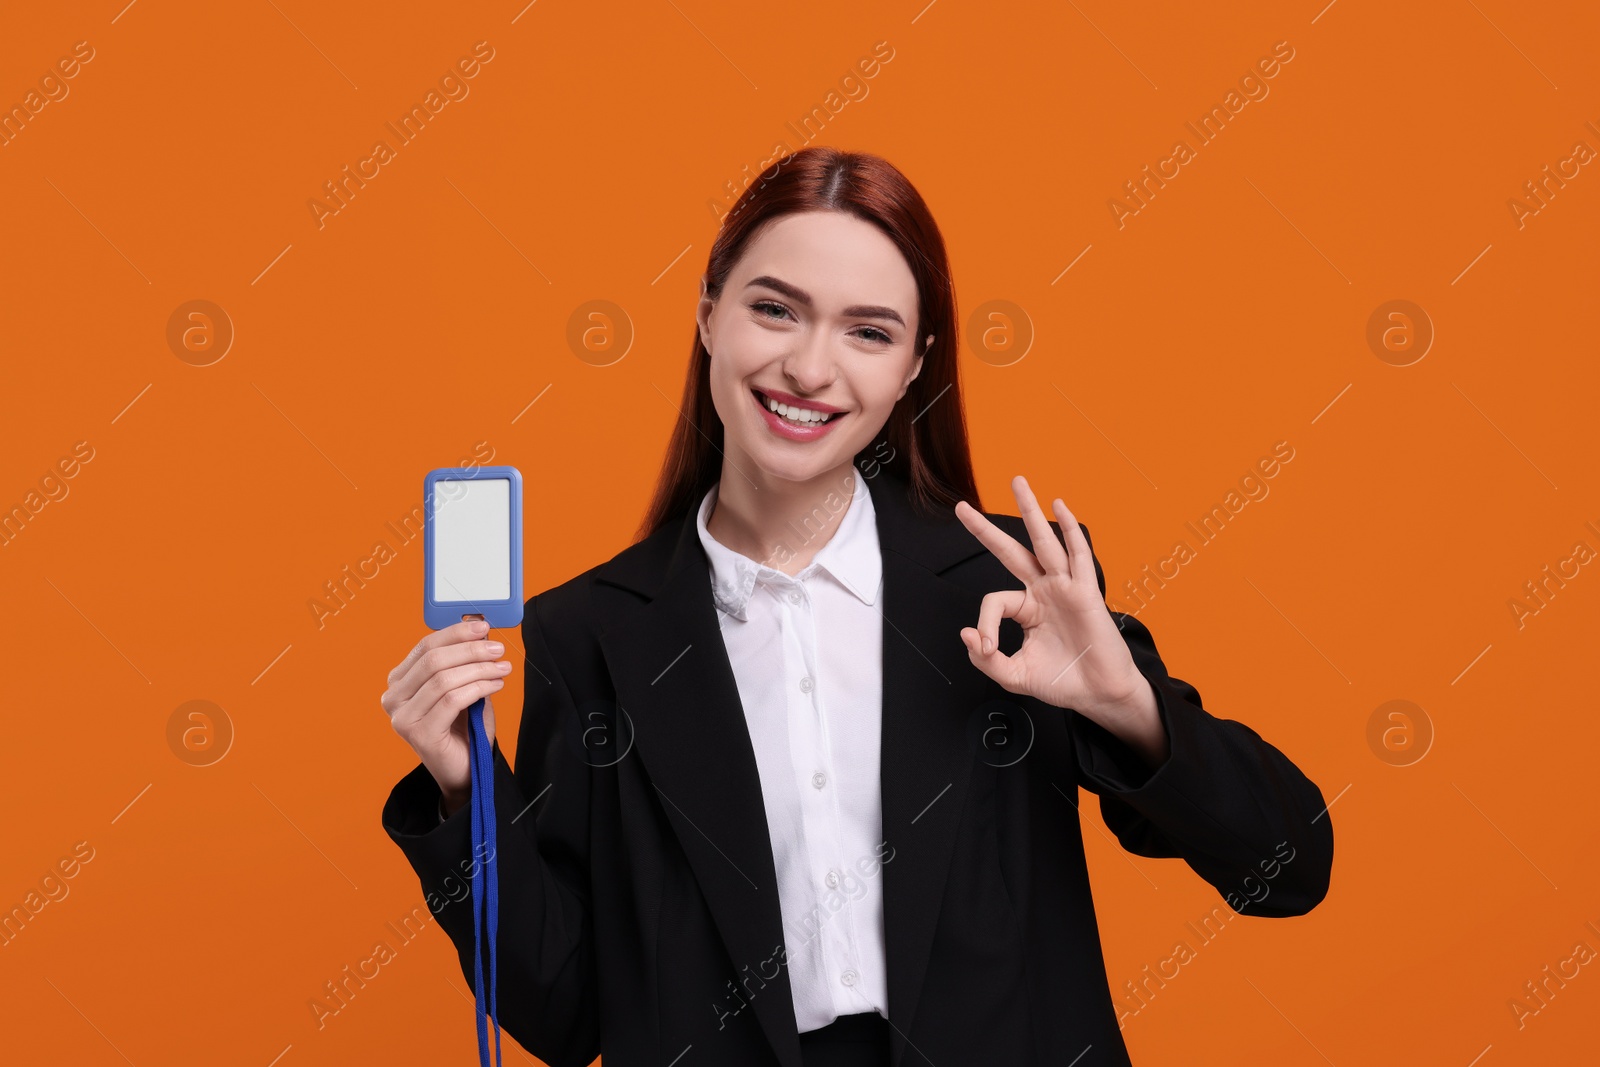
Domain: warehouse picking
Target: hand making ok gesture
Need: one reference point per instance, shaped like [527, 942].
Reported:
[1072, 655]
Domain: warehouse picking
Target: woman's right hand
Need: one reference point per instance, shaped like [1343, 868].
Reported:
[429, 693]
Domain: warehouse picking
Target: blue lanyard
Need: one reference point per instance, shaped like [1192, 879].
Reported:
[485, 880]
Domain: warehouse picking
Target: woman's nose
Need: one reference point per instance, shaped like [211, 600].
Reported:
[810, 365]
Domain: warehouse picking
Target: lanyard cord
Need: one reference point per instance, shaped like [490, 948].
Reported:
[485, 879]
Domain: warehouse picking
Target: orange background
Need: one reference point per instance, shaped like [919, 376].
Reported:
[428, 315]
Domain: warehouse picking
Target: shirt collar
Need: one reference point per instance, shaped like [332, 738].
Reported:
[851, 556]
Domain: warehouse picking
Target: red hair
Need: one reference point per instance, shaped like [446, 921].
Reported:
[927, 429]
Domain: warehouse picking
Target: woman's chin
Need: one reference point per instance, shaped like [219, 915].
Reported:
[781, 463]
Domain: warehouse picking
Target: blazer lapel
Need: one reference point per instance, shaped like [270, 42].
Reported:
[673, 678]
[931, 693]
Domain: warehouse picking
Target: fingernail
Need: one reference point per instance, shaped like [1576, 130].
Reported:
[988, 646]
[494, 647]
[479, 627]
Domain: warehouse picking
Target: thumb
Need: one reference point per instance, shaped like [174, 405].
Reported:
[996, 664]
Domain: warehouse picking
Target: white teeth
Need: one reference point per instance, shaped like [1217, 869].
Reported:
[795, 414]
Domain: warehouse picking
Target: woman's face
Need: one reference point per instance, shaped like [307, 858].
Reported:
[819, 313]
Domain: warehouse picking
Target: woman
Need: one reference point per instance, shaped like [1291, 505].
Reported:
[797, 772]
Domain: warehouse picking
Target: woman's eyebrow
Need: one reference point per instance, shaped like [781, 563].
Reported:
[800, 296]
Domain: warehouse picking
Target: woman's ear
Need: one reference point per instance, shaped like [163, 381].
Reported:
[916, 369]
[703, 315]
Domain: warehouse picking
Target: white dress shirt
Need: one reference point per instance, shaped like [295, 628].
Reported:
[807, 656]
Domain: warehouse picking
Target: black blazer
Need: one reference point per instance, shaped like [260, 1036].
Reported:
[639, 909]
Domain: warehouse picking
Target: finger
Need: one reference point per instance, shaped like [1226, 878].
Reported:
[1052, 557]
[449, 707]
[1007, 549]
[465, 630]
[1004, 604]
[994, 663]
[446, 693]
[441, 661]
[1080, 558]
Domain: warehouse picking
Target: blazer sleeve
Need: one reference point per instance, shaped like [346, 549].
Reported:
[546, 989]
[1232, 806]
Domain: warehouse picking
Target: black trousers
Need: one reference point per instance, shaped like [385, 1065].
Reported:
[849, 1041]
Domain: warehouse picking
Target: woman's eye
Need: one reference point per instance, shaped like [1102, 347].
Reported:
[774, 312]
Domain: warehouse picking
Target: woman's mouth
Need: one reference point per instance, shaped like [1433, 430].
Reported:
[795, 422]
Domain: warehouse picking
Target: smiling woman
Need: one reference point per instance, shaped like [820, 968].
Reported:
[848, 362]
[819, 649]
[827, 291]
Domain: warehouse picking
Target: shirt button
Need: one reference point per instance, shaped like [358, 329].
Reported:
[832, 879]
[795, 597]
[819, 779]
[848, 978]
[805, 685]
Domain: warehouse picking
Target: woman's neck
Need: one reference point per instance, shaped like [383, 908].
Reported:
[779, 523]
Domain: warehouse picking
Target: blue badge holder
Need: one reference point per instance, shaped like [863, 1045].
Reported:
[472, 565]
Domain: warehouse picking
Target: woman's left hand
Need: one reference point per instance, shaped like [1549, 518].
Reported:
[1072, 655]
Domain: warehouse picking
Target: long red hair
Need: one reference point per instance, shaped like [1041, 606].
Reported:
[926, 433]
